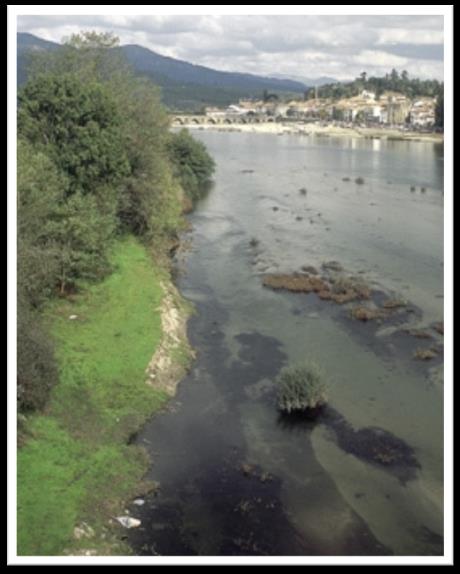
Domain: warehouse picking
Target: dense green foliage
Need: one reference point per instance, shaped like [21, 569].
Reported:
[95, 160]
[79, 127]
[40, 188]
[37, 371]
[393, 81]
[300, 388]
[439, 111]
[193, 165]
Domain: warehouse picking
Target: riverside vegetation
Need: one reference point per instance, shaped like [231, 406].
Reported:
[301, 388]
[101, 187]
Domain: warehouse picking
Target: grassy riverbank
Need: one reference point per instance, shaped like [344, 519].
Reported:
[76, 465]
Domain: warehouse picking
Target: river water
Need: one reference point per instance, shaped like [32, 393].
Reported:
[236, 478]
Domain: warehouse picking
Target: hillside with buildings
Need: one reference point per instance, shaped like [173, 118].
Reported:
[389, 109]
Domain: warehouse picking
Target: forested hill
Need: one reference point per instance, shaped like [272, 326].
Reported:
[184, 86]
[393, 81]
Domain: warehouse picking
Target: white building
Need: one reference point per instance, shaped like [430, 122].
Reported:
[235, 110]
[374, 114]
[366, 95]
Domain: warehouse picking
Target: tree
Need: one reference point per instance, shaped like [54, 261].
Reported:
[88, 56]
[151, 201]
[439, 111]
[79, 127]
[40, 189]
[193, 165]
[394, 76]
[36, 367]
[82, 235]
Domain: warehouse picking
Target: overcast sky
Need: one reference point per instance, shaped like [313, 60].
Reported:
[303, 46]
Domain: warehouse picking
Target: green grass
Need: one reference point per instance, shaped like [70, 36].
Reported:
[76, 464]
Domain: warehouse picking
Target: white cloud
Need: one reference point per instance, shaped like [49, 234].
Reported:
[378, 58]
[410, 36]
[309, 46]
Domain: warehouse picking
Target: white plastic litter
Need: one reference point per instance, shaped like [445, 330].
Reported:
[128, 521]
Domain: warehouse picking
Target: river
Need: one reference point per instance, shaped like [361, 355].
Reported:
[236, 478]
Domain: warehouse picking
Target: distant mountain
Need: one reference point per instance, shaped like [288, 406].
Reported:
[31, 42]
[184, 86]
[310, 82]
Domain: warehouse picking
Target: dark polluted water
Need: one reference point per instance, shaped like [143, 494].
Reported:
[365, 476]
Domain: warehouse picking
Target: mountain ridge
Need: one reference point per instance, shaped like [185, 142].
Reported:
[184, 85]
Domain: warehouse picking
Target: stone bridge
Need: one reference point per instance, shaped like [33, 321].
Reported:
[190, 119]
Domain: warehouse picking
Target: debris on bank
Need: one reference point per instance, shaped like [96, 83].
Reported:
[165, 370]
[128, 521]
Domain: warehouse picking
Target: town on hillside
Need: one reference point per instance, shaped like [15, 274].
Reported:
[390, 109]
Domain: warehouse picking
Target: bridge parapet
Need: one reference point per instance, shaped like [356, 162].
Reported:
[190, 119]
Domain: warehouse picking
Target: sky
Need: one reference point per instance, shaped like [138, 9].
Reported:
[303, 46]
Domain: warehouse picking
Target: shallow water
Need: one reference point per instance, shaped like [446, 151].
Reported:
[238, 479]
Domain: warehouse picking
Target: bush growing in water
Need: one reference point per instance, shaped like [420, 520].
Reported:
[301, 388]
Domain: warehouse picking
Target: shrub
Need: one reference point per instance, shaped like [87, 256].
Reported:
[192, 164]
[359, 180]
[37, 370]
[301, 388]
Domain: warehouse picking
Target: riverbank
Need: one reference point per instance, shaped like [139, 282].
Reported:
[77, 470]
[322, 130]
